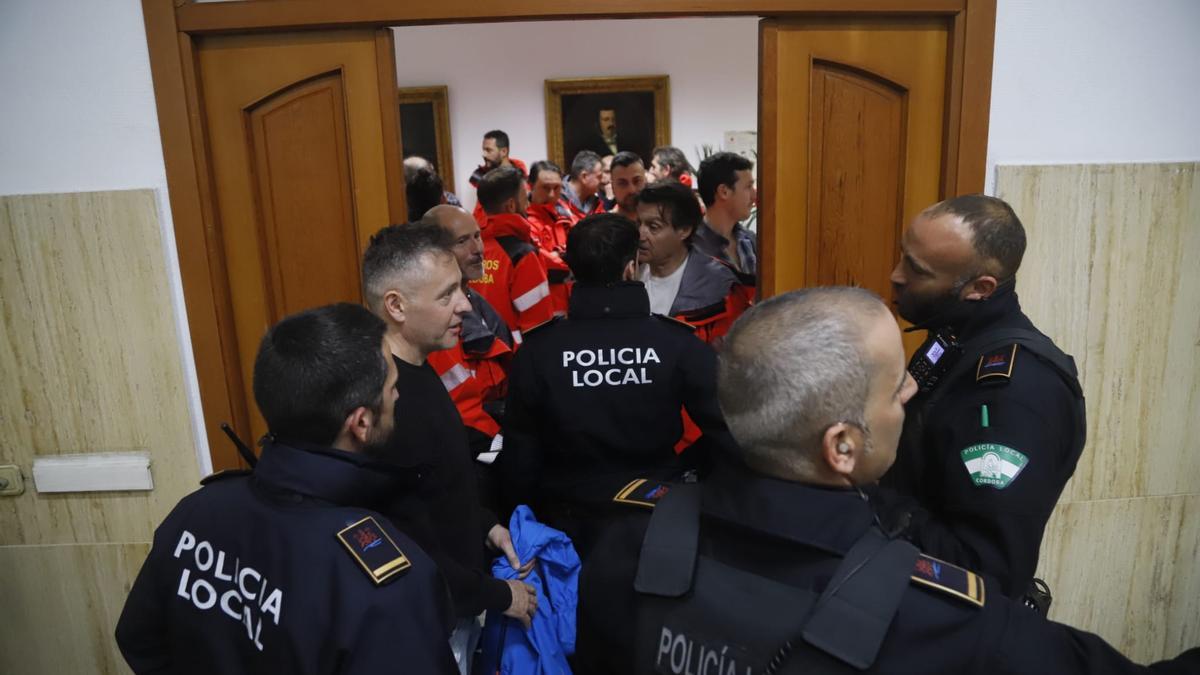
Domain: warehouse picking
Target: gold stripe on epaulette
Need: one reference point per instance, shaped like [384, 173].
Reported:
[385, 571]
[974, 588]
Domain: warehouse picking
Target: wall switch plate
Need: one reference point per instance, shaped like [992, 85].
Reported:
[11, 481]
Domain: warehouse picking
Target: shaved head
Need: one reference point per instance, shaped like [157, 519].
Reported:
[791, 367]
[466, 241]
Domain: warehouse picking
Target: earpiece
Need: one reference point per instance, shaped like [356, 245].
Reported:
[843, 448]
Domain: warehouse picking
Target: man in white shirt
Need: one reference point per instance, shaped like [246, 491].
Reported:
[682, 281]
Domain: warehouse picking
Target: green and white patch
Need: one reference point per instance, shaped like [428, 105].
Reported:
[993, 464]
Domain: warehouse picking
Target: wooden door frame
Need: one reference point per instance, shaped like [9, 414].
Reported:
[173, 26]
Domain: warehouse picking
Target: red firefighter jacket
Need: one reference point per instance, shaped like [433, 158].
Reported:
[514, 278]
[475, 371]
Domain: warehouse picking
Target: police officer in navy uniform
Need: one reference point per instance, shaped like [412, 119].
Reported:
[776, 563]
[594, 403]
[998, 425]
[287, 569]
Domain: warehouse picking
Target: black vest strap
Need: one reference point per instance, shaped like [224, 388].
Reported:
[851, 619]
[668, 559]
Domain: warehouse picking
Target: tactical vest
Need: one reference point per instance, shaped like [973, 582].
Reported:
[698, 616]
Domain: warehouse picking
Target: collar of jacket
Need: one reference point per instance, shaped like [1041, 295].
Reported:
[705, 283]
[604, 301]
[548, 214]
[969, 318]
[482, 329]
[707, 234]
[329, 474]
[827, 518]
[508, 225]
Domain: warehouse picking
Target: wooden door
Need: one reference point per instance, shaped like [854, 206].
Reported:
[852, 122]
[304, 154]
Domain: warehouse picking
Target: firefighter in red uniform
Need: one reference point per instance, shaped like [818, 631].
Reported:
[683, 282]
[514, 278]
[582, 188]
[495, 155]
[552, 220]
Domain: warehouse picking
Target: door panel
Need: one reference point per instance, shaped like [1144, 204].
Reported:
[300, 170]
[306, 213]
[852, 125]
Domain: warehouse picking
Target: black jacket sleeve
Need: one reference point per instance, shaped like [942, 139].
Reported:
[990, 518]
[520, 461]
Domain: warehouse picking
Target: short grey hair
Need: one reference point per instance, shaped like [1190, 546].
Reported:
[396, 253]
[792, 367]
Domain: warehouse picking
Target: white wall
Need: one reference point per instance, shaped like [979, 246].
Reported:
[1084, 81]
[496, 75]
[78, 115]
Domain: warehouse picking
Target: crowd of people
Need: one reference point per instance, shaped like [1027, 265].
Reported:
[568, 414]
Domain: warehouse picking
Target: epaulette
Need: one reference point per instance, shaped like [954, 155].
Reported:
[642, 492]
[950, 579]
[224, 473]
[996, 366]
[548, 322]
[678, 322]
[374, 550]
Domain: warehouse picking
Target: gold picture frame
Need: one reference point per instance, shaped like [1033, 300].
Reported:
[628, 95]
[437, 99]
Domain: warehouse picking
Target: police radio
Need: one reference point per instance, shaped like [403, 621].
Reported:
[932, 359]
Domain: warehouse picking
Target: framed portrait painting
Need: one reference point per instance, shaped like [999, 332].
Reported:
[425, 128]
[607, 115]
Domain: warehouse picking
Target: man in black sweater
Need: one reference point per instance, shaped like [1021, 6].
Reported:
[412, 281]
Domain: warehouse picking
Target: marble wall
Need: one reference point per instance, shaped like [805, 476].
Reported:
[91, 363]
[1111, 274]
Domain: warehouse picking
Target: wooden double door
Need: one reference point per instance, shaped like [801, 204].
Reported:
[302, 145]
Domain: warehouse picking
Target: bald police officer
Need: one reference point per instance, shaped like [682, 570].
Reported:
[998, 425]
[594, 399]
[775, 564]
[289, 569]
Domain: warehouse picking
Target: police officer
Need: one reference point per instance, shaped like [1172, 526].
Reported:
[998, 425]
[288, 569]
[775, 564]
[594, 399]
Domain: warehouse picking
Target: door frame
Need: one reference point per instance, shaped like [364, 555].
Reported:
[173, 26]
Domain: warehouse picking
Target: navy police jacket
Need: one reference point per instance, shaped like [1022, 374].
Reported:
[283, 570]
[594, 400]
[988, 451]
[947, 619]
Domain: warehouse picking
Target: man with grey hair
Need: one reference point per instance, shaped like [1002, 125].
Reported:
[412, 280]
[776, 563]
[996, 430]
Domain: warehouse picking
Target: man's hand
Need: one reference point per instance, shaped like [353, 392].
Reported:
[499, 539]
[524, 602]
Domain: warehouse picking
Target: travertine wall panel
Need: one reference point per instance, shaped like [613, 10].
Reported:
[1112, 274]
[61, 605]
[91, 361]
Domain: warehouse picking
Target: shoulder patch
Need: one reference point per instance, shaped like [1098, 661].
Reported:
[374, 550]
[993, 464]
[224, 473]
[996, 366]
[678, 322]
[548, 322]
[642, 492]
[950, 579]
